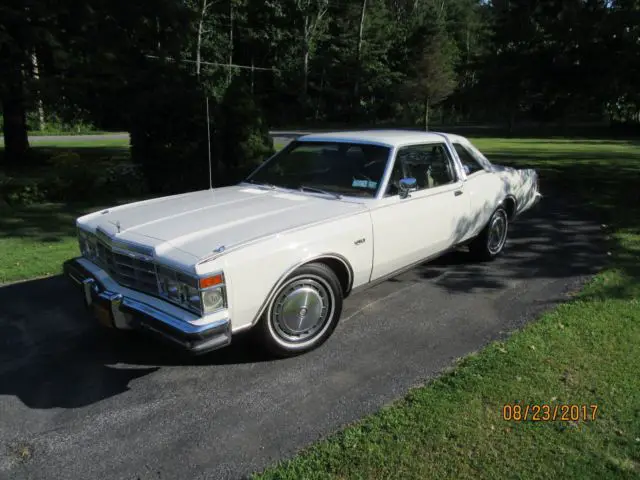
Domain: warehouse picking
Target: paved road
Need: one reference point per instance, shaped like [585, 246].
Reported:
[77, 404]
[34, 140]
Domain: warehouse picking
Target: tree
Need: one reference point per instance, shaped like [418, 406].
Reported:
[434, 78]
[243, 134]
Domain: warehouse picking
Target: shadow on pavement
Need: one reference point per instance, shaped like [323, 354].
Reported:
[52, 353]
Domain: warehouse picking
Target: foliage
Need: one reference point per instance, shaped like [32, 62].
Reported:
[168, 133]
[21, 191]
[73, 176]
[354, 61]
[243, 135]
[434, 76]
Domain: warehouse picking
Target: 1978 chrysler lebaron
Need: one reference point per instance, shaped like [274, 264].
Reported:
[278, 252]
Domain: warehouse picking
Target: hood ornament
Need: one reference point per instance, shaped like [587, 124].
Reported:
[117, 225]
[220, 249]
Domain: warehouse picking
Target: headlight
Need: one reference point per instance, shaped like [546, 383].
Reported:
[201, 295]
[87, 243]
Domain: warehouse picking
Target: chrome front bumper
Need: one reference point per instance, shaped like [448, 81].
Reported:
[115, 309]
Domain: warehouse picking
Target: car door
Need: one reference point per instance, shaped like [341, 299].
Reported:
[482, 188]
[424, 223]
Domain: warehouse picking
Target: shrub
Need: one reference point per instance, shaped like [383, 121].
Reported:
[72, 179]
[23, 191]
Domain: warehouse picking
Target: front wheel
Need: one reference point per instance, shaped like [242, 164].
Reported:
[304, 311]
[490, 243]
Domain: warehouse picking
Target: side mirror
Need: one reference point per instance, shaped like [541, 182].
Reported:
[407, 185]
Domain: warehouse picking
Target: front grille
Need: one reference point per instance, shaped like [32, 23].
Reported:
[128, 270]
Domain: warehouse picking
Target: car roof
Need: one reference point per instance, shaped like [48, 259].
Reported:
[389, 138]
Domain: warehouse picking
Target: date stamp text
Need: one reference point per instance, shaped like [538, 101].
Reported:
[517, 412]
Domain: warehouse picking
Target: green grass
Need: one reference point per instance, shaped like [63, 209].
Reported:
[34, 241]
[60, 133]
[80, 142]
[584, 352]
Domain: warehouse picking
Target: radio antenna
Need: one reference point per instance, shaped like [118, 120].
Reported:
[209, 143]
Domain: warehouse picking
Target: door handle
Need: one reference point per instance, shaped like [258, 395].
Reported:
[457, 193]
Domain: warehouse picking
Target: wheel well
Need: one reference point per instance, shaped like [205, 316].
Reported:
[510, 206]
[341, 269]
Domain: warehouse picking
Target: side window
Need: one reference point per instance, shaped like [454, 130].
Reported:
[430, 164]
[469, 162]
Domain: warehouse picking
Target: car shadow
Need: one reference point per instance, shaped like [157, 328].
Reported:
[53, 354]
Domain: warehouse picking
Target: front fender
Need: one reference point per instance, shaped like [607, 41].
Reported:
[253, 273]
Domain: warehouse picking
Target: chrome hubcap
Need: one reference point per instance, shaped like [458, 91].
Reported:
[301, 310]
[497, 233]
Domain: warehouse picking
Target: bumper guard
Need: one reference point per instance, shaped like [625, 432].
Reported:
[115, 310]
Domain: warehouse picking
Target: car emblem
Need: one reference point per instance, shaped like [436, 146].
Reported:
[220, 249]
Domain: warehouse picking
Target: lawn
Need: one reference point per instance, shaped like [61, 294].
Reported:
[584, 352]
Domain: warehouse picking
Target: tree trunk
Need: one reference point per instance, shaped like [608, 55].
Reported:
[39, 103]
[230, 41]
[305, 58]
[320, 93]
[356, 87]
[426, 115]
[203, 12]
[305, 81]
[16, 140]
[252, 75]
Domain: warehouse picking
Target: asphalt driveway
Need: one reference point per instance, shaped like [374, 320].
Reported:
[75, 403]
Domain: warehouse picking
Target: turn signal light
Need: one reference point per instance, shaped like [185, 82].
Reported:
[207, 282]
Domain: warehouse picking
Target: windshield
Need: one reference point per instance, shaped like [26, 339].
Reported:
[351, 169]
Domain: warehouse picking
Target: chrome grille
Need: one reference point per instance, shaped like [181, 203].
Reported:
[128, 269]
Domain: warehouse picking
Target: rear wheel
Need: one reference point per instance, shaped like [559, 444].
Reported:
[490, 243]
[303, 313]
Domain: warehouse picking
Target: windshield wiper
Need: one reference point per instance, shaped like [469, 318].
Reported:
[319, 190]
[270, 186]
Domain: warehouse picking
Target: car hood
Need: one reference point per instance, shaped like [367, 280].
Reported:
[198, 223]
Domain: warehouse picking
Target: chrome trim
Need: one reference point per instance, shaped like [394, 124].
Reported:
[129, 313]
[292, 269]
[384, 181]
[134, 251]
[88, 284]
[127, 247]
[168, 319]
[400, 271]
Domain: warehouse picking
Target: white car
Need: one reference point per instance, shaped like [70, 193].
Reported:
[278, 253]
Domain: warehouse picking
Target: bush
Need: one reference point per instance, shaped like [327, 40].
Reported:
[68, 177]
[71, 179]
[21, 191]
